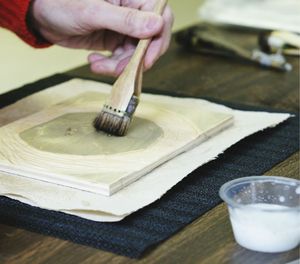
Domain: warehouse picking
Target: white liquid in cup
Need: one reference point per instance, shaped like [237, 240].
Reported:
[265, 231]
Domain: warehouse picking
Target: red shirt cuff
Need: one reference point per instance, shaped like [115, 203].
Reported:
[13, 16]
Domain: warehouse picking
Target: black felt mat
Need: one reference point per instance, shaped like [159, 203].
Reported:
[188, 200]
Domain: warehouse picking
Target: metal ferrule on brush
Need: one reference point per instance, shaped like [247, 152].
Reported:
[132, 105]
[114, 121]
[113, 111]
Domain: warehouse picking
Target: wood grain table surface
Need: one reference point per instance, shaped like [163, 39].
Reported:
[208, 239]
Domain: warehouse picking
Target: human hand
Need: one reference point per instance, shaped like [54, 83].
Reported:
[113, 25]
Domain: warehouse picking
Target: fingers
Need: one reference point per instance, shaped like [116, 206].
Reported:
[160, 44]
[145, 5]
[115, 64]
[112, 65]
[128, 21]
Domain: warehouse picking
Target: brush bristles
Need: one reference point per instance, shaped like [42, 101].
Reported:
[113, 121]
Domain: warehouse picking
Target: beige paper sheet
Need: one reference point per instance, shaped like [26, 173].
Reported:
[138, 194]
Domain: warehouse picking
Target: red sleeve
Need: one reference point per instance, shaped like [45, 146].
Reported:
[13, 17]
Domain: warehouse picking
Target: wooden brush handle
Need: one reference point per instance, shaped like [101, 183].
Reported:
[130, 80]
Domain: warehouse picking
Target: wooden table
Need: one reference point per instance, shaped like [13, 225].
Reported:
[208, 239]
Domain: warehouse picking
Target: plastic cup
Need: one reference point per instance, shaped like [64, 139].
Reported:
[264, 212]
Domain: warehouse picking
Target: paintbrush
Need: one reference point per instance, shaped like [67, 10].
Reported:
[117, 113]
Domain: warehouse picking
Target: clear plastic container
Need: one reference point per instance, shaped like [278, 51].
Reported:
[264, 212]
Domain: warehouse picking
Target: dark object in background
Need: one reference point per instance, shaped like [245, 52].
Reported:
[208, 39]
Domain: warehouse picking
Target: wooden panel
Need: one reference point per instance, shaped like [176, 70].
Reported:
[59, 144]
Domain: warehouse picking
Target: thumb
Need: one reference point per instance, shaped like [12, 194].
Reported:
[127, 21]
